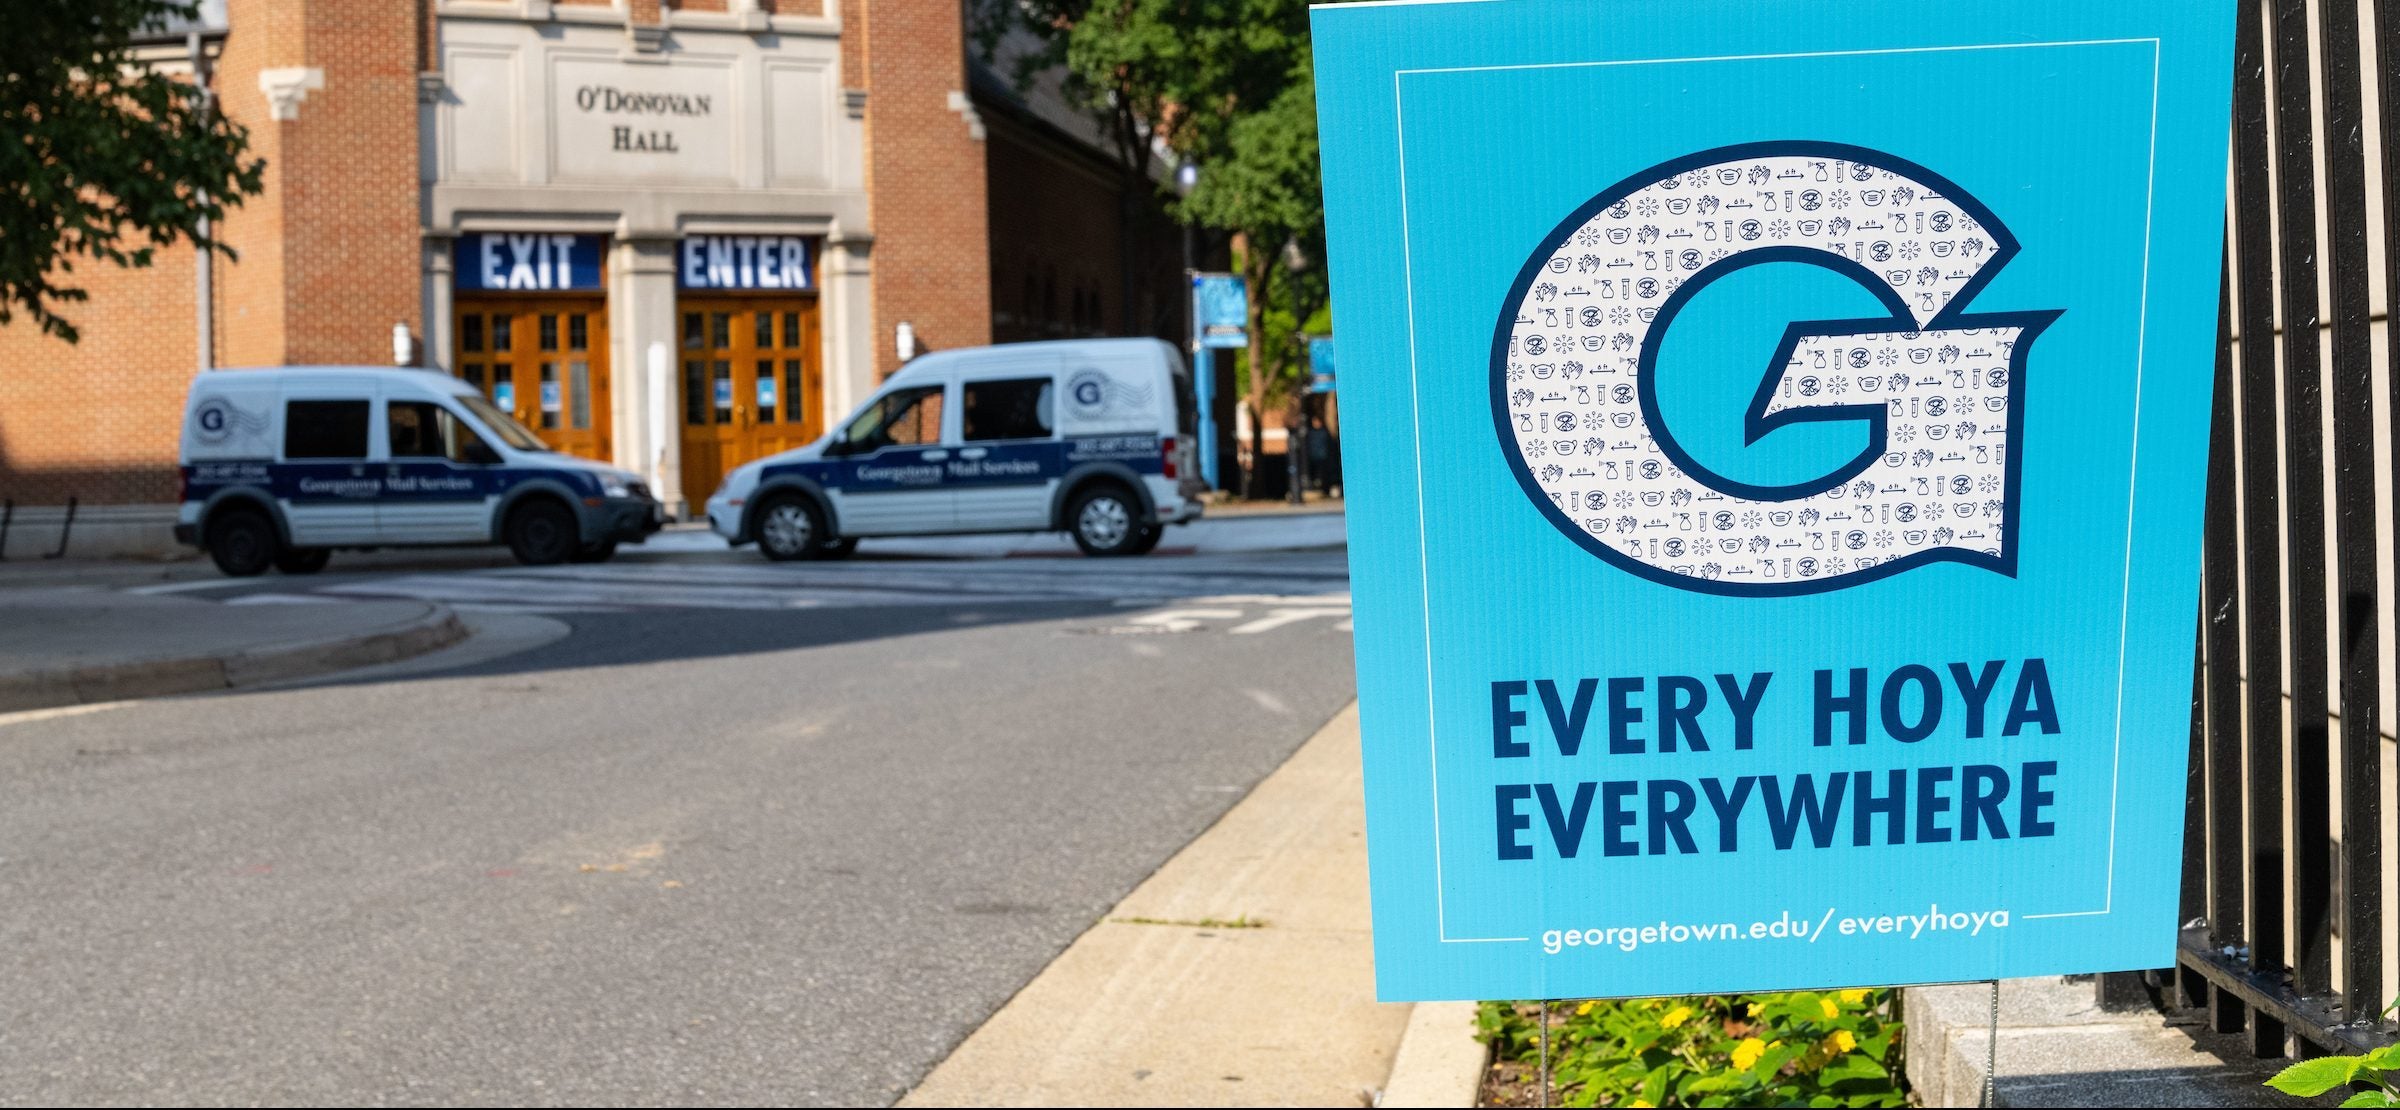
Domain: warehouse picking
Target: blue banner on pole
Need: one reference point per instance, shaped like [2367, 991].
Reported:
[1320, 365]
[1777, 555]
[1220, 310]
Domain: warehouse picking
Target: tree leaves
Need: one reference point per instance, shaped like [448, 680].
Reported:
[101, 157]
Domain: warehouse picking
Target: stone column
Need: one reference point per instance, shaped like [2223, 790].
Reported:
[439, 301]
[641, 312]
[849, 323]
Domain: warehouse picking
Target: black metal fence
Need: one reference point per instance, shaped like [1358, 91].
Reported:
[2289, 920]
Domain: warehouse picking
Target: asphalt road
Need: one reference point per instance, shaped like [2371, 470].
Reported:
[744, 833]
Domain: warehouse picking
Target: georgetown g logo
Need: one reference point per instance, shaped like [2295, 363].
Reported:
[217, 421]
[1575, 396]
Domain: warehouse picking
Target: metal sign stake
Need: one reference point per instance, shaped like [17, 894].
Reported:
[1542, 1098]
[1991, 1049]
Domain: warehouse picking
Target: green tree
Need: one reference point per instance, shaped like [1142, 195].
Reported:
[1226, 84]
[103, 158]
[1265, 188]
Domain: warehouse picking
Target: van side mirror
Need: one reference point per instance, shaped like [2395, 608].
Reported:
[479, 453]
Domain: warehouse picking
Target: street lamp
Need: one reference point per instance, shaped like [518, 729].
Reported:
[1295, 440]
[1204, 376]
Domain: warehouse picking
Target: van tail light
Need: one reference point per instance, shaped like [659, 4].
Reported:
[183, 485]
[1167, 455]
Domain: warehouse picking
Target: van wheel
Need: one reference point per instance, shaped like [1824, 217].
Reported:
[303, 560]
[597, 553]
[1103, 519]
[542, 533]
[242, 542]
[838, 549]
[1147, 539]
[790, 527]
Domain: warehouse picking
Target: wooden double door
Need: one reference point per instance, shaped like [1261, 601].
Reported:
[753, 377]
[544, 360]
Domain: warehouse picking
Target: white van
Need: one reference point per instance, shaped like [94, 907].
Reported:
[1093, 437]
[282, 466]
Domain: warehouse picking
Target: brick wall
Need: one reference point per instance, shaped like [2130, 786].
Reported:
[1059, 242]
[349, 185]
[98, 419]
[925, 179]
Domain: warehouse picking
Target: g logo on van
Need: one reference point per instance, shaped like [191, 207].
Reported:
[1091, 394]
[1575, 396]
[218, 420]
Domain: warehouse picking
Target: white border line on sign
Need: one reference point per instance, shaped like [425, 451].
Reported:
[1424, 582]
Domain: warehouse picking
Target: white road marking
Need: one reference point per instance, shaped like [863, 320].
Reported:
[180, 587]
[1184, 620]
[1277, 618]
[29, 716]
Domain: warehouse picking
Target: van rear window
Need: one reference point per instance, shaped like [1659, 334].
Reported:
[325, 430]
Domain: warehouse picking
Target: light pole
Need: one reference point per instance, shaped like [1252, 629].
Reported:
[1295, 440]
[1204, 376]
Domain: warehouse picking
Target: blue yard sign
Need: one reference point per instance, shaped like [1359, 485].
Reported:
[1220, 310]
[1778, 437]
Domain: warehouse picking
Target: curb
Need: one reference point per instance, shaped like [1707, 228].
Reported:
[438, 627]
[1440, 1063]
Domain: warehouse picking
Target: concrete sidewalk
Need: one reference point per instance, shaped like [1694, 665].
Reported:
[78, 646]
[1241, 974]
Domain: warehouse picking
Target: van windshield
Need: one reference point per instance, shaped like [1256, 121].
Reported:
[502, 424]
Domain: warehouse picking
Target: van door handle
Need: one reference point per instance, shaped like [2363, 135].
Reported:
[974, 452]
[934, 456]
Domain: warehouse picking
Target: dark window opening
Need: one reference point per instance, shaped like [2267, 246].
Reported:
[325, 430]
[1018, 408]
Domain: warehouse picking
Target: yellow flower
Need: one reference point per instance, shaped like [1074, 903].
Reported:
[1583, 1010]
[1842, 1041]
[1757, 1008]
[1641, 1102]
[1675, 1017]
[1854, 997]
[1830, 1009]
[1746, 1054]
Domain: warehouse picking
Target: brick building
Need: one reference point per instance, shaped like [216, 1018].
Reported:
[676, 234]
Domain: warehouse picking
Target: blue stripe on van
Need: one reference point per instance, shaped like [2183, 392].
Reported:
[318, 483]
[1004, 463]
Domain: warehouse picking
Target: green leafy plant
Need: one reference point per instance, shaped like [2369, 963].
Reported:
[2380, 1069]
[107, 158]
[1810, 1048]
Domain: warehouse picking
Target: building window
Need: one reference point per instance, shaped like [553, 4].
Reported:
[695, 389]
[579, 392]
